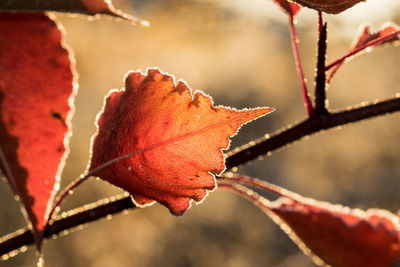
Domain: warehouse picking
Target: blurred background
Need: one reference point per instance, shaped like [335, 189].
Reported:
[238, 52]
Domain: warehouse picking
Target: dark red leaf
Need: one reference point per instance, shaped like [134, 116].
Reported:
[89, 7]
[36, 87]
[336, 235]
[329, 6]
[178, 139]
[341, 236]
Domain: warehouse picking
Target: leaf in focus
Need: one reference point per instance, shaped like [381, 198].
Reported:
[89, 7]
[292, 9]
[36, 90]
[329, 6]
[338, 235]
[178, 138]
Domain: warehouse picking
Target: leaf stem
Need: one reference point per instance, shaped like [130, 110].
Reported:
[249, 181]
[63, 195]
[296, 52]
[74, 184]
[252, 196]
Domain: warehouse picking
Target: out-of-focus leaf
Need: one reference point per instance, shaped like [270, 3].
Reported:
[329, 234]
[329, 6]
[341, 236]
[177, 138]
[89, 7]
[36, 93]
[365, 36]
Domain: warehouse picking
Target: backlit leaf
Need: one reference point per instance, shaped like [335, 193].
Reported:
[178, 138]
[329, 234]
[36, 87]
[342, 236]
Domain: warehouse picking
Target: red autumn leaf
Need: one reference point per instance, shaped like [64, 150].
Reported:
[178, 139]
[365, 36]
[89, 7]
[329, 6]
[365, 40]
[337, 235]
[36, 85]
[290, 8]
[341, 236]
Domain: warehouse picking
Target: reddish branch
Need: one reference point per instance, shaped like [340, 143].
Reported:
[296, 53]
[69, 222]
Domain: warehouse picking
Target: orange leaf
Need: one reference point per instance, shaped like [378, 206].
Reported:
[178, 138]
[341, 236]
[329, 6]
[36, 84]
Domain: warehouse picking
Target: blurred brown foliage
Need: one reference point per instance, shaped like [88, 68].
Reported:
[242, 57]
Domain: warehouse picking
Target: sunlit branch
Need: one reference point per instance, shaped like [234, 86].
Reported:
[312, 125]
[67, 222]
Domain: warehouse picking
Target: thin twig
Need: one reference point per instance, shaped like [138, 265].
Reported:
[64, 193]
[320, 22]
[296, 52]
[72, 219]
[253, 182]
[247, 193]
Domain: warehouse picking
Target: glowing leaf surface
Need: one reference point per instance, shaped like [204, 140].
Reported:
[36, 85]
[178, 137]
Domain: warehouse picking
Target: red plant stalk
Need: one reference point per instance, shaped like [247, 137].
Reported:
[296, 52]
